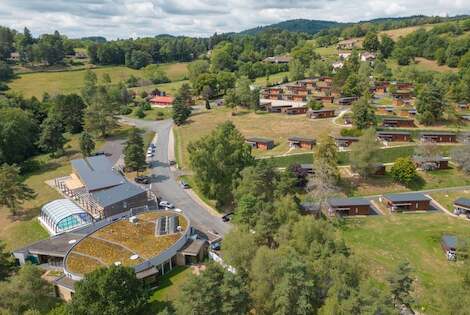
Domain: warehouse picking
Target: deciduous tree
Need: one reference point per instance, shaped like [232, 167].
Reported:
[363, 153]
[403, 170]
[217, 160]
[87, 145]
[113, 291]
[13, 192]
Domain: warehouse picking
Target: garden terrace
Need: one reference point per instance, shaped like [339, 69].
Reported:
[125, 242]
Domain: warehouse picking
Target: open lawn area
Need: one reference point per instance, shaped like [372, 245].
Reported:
[154, 114]
[169, 287]
[273, 79]
[447, 198]
[377, 185]
[25, 228]
[381, 242]
[36, 84]
[170, 88]
[278, 127]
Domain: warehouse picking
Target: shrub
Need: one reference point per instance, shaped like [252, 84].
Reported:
[403, 171]
[351, 132]
[139, 112]
[146, 106]
[124, 110]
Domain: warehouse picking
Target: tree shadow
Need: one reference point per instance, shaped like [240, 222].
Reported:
[417, 183]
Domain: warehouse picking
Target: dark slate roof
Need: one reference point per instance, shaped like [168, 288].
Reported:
[347, 138]
[341, 202]
[54, 246]
[193, 247]
[450, 241]
[437, 133]
[393, 133]
[110, 196]
[397, 118]
[462, 202]
[260, 140]
[96, 172]
[407, 197]
[322, 110]
[295, 138]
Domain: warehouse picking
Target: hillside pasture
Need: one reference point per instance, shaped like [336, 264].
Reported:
[36, 84]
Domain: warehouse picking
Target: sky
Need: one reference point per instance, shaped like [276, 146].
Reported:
[139, 18]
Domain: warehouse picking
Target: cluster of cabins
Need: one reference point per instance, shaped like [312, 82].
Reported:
[393, 202]
[386, 136]
[292, 98]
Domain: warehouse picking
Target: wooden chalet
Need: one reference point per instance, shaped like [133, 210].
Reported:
[398, 122]
[161, 101]
[401, 97]
[433, 163]
[404, 85]
[407, 202]
[321, 113]
[344, 142]
[386, 109]
[300, 142]
[294, 110]
[348, 206]
[438, 137]
[348, 44]
[408, 112]
[260, 143]
[462, 206]
[463, 105]
[381, 87]
[325, 99]
[394, 136]
[347, 100]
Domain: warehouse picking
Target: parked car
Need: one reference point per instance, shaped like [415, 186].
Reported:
[183, 184]
[152, 145]
[99, 153]
[149, 154]
[227, 217]
[142, 180]
[172, 162]
[166, 204]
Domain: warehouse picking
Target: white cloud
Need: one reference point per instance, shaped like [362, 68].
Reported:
[131, 18]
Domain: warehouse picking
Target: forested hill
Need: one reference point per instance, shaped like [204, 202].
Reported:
[299, 25]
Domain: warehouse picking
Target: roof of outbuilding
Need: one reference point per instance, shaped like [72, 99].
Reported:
[463, 202]
[96, 172]
[393, 133]
[407, 197]
[295, 138]
[437, 133]
[450, 241]
[260, 140]
[116, 194]
[340, 202]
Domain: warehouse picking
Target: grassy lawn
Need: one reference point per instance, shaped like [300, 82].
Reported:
[154, 114]
[169, 287]
[273, 79]
[381, 242]
[278, 127]
[447, 198]
[384, 184]
[170, 88]
[24, 229]
[36, 84]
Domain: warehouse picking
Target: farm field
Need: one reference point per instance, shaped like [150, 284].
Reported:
[278, 127]
[381, 242]
[36, 84]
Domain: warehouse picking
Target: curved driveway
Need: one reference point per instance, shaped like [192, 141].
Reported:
[165, 185]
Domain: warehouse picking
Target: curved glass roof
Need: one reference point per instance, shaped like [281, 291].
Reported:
[63, 214]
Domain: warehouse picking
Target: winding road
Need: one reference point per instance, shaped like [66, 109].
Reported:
[165, 184]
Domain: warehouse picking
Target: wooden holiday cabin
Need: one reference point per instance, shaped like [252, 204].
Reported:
[394, 136]
[260, 143]
[301, 142]
[398, 122]
[438, 137]
[407, 202]
[321, 113]
[348, 206]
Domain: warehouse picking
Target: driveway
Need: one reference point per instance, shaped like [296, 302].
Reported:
[165, 183]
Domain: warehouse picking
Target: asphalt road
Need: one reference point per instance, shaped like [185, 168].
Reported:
[165, 185]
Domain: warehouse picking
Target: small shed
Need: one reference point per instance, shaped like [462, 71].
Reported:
[348, 206]
[321, 113]
[398, 122]
[407, 202]
[260, 143]
[344, 142]
[449, 246]
[462, 206]
[431, 163]
[300, 142]
[394, 136]
[438, 136]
